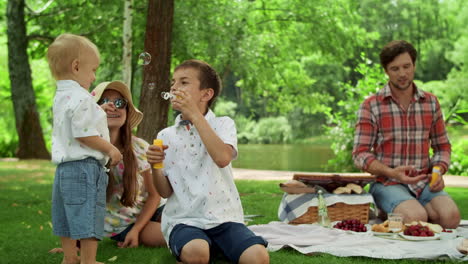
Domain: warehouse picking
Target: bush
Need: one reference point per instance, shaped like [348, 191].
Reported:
[341, 124]
[273, 130]
[459, 160]
[269, 130]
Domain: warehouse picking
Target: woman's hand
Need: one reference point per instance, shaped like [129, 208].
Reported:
[131, 240]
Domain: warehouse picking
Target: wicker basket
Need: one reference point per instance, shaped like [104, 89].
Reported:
[336, 212]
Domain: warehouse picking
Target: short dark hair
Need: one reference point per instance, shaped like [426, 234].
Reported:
[208, 77]
[395, 48]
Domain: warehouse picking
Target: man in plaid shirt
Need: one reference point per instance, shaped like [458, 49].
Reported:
[395, 129]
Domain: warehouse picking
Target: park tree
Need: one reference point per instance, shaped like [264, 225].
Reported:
[127, 43]
[31, 140]
[424, 23]
[156, 71]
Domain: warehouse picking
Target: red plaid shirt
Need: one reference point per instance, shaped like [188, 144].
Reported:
[395, 137]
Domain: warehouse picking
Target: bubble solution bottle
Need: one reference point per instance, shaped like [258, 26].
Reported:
[159, 143]
[435, 175]
[323, 219]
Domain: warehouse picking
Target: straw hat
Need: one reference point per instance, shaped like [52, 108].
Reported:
[134, 115]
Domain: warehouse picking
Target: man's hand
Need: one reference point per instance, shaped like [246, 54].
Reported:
[402, 174]
[439, 184]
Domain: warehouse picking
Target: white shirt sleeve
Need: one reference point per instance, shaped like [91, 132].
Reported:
[227, 132]
[84, 118]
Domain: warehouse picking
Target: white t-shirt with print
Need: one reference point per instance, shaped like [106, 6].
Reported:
[205, 195]
[76, 114]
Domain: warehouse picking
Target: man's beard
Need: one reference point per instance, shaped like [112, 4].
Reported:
[402, 88]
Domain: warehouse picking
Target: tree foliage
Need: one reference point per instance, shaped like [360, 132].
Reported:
[305, 61]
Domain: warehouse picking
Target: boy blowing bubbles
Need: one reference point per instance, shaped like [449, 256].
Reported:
[203, 213]
[80, 148]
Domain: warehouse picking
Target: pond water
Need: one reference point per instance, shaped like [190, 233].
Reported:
[288, 157]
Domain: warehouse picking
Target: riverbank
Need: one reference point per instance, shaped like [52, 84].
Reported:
[265, 175]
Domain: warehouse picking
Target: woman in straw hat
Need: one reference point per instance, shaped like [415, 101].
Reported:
[134, 207]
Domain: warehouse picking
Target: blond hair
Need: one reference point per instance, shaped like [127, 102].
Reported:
[64, 50]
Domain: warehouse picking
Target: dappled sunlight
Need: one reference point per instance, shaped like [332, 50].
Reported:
[40, 172]
[13, 163]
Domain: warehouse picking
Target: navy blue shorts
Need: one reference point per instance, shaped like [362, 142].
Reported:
[79, 199]
[231, 239]
[122, 235]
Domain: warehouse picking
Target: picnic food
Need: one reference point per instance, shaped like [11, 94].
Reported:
[381, 228]
[418, 230]
[350, 187]
[351, 225]
[448, 234]
[433, 227]
[355, 188]
[342, 190]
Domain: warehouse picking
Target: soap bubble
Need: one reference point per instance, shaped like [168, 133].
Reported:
[144, 58]
[151, 85]
[167, 95]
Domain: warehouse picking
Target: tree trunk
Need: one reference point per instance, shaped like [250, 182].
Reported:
[127, 44]
[28, 126]
[156, 73]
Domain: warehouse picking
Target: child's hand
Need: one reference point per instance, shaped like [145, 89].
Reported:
[114, 155]
[155, 154]
[185, 103]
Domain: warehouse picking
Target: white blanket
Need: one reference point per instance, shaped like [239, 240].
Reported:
[313, 238]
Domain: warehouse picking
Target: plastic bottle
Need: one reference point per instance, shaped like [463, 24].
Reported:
[323, 219]
[435, 175]
[159, 143]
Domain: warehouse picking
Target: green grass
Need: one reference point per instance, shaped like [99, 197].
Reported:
[25, 195]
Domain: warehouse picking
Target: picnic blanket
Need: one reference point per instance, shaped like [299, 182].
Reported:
[312, 238]
[294, 205]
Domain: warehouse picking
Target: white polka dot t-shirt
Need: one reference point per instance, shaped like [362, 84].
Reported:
[205, 195]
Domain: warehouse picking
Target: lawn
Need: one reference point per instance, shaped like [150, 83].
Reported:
[25, 194]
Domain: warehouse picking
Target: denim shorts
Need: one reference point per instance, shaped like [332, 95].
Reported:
[231, 239]
[389, 197]
[155, 218]
[79, 199]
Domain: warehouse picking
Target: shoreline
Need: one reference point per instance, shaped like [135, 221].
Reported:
[276, 175]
